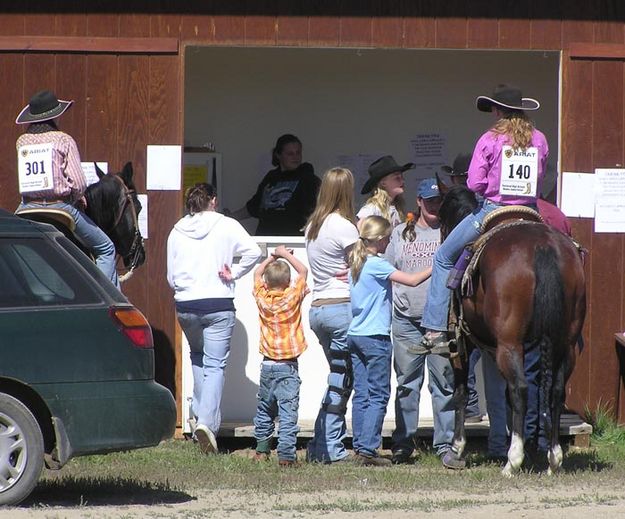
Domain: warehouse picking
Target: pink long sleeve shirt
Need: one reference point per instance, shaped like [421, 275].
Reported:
[485, 168]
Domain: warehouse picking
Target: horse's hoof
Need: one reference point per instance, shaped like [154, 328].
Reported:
[451, 461]
[508, 471]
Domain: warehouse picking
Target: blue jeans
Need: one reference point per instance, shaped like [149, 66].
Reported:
[410, 371]
[532, 416]
[278, 395]
[496, 406]
[94, 238]
[473, 404]
[371, 363]
[437, 304]
[209, 344]
[330, 323]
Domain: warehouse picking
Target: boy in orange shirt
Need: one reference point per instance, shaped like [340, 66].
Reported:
[281, 343]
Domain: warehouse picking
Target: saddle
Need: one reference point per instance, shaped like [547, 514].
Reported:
[51, 216]
[58, 218]
[493, 223]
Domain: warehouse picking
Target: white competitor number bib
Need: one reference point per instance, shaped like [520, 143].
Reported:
[34, 166]
[519, 172]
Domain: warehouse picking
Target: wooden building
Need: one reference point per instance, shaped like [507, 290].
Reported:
[123, 62]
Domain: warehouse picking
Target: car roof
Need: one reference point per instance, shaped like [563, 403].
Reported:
[9, 223]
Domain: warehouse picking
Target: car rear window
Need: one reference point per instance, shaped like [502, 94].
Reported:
[90, 267]
[33, 272]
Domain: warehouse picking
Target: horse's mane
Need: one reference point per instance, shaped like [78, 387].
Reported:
[457, 203]
[102, 201]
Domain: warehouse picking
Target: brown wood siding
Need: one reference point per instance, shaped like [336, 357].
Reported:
[125, 102]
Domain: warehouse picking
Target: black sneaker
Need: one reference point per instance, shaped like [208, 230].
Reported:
[400, 457]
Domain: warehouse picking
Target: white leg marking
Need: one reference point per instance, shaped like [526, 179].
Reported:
[555, 457]
[515, 455]
[459, 446]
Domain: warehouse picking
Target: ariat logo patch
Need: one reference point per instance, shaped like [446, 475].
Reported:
[508, 153]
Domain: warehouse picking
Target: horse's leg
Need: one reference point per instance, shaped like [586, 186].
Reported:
[555, 454]
[453, 457]
[510, 363]
[563, 371]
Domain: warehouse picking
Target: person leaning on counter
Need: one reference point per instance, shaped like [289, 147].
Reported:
[286, 196]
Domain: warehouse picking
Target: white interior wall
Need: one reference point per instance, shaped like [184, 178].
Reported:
[349, 101]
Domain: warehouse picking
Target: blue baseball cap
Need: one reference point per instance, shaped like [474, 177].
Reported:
[428, 188]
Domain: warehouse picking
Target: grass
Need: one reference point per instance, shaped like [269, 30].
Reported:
[177, 474]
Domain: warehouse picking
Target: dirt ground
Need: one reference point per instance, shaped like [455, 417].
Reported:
[582, 501]
[569, 503]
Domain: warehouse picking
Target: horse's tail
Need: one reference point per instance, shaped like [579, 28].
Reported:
[547, 326]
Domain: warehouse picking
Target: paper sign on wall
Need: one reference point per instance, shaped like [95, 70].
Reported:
[163, 167]
[142, 217]
[88, 169]
[578, 195]
[610, 201]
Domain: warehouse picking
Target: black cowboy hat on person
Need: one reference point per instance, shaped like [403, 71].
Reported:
[506, 97]
[43, 106]
[460, 167]
[381, 168]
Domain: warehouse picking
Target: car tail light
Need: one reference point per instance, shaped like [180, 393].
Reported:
[133, 325]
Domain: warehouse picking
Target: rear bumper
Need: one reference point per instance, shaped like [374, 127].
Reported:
[94, 418]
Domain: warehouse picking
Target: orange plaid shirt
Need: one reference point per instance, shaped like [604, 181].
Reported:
[281, 332]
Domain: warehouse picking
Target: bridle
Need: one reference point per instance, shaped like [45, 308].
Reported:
[137, 239]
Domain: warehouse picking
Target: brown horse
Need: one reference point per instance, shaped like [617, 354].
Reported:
[529, 289]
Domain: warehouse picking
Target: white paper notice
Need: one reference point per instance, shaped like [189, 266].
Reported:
[164, 168]
[610, 202]
[578, 195]
[142, 217]
[89, 171]
[429, 151]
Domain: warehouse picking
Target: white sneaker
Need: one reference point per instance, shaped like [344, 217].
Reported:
[206, 438]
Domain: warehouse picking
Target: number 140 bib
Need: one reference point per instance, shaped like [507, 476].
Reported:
[519, 172]
[34, 166]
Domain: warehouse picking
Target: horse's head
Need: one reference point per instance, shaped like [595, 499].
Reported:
[458, 202]
[112, 203]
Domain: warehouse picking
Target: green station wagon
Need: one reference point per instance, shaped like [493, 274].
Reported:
[76, 361]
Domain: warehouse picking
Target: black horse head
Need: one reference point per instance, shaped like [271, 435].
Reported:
[112, 203]
[458, 202]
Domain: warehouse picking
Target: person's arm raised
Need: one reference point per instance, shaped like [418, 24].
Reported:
[282, 252]
[411, 280]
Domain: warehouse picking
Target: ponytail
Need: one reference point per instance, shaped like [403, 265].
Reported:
[372, 229]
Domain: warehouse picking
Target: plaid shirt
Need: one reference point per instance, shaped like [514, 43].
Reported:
[281, 332]
[69, 178]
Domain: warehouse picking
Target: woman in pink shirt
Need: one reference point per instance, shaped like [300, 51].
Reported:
[507, 168]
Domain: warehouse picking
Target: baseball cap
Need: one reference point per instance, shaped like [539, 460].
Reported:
[428, 188]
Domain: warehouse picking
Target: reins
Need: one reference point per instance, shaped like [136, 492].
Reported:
[137, 238]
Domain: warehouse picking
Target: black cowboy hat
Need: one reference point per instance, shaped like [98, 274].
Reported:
[506, 96]
[43, 106]
[460, 167]
[380, 168]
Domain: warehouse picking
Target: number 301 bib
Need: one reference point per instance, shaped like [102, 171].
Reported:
[519, 172]
[34, 166]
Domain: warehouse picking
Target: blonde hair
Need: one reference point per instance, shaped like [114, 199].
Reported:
[381, 199]
[372, 229]
[277, 274]
[516, 125]
[336, 195]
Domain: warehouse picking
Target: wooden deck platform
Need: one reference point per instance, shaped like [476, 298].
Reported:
[572, 427]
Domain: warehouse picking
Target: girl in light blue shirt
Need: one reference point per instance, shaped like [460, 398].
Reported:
[368, 336]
